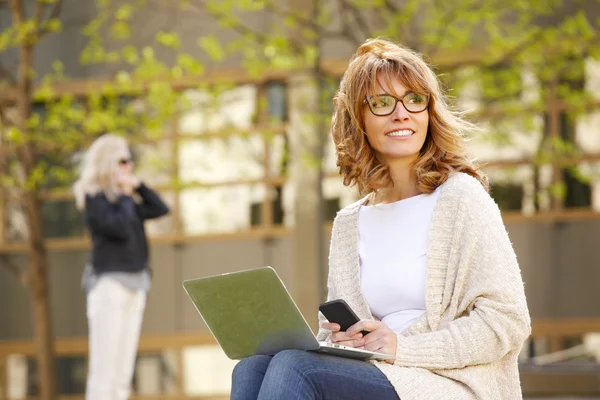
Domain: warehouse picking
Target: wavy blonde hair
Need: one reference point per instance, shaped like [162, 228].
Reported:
[444, 149]
[99, 167]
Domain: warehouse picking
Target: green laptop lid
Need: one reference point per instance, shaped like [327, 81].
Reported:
[250, 312]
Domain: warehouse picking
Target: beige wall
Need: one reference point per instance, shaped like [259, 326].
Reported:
[560, 263]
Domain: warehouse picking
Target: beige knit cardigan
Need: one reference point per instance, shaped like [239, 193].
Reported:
[466, 344]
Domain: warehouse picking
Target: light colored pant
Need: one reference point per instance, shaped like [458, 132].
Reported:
[114, 322]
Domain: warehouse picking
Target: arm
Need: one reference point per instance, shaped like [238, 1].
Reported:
[495, 319]
[152, 206]
[110, 219]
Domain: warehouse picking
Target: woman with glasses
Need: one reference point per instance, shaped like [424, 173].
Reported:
[116, 278]
[423, 259]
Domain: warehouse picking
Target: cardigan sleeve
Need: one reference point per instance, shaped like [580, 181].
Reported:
[492, 318]
[323, 334]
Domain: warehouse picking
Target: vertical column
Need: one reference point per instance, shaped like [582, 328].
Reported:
[267, 203]
[175, 176]
[305, 175]
[557, 200]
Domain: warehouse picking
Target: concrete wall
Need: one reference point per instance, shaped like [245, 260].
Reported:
[560, 264]
[190, 24]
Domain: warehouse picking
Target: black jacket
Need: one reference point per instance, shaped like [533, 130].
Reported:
[118, 236]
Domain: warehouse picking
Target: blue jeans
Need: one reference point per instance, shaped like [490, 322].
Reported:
[298, 374]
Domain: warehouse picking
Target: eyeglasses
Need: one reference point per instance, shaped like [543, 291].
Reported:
[125, 161]
[385, 104]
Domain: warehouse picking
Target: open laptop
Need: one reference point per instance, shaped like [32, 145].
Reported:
[251, 312]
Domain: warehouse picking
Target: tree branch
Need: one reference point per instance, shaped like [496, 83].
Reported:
[7, 75]
[39, 12]
[358, 17]
[21, 275]
[444, 27]
[242, 29]
[16, 7]
[55, 13]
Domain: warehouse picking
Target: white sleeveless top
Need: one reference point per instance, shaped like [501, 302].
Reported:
[393, 258]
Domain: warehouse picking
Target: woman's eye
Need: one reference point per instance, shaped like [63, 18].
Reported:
[382, 102]
[416, 98]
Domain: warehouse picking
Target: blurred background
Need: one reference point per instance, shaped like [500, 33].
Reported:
[227, 106]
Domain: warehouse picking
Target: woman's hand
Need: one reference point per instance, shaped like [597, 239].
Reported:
[127, 182]
[380, 337]
[341, 337]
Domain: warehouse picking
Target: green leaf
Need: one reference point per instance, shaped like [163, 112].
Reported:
[210, 44]
[53, 25]
[124, 12]
[168, 39]
[130, 54]
[113, 57]
[190, 64]
[120, 30]
[14, 135]
[6, 39]
[58, 66]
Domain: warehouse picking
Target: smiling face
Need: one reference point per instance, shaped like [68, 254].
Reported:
[399, 135]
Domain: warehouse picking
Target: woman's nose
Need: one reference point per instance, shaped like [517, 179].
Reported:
[400, 112]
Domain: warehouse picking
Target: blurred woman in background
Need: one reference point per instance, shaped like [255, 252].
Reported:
[117, 277]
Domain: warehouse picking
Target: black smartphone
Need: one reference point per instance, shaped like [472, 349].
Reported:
[339, 311]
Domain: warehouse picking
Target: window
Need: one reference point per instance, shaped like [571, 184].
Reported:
[277, 101]
[61, 219]
[509, 196]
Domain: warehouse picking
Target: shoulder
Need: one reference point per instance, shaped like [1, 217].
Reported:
[465, 188]
[469, 198]
[353, 208]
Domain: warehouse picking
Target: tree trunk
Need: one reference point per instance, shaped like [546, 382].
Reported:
[38, 280]
[40, 299]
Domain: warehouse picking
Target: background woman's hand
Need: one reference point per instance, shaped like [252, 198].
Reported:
[127, 182]
[340, 337]
[380, 337]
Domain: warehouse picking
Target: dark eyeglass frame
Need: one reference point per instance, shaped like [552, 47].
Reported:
[397, 100]
[125, 161]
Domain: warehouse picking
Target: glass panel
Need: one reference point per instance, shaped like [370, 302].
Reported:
[15, 222]
[587, 135]
[156, 374]
[590, 173]
[333, 188]
[335, 197]
[513, 188]
[205, 112]
[60, 219]
[507, 138]
[207, 371]
[153, 162]
[277, 101]
[23, 376]
[219, 209]
[214, 160]
[280, 156]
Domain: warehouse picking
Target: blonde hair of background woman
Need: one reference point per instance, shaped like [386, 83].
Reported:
[444, 149]
[99, 168]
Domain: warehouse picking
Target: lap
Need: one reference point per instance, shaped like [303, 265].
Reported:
[329, 376]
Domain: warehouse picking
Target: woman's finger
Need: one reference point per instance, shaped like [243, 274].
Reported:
[330, 326]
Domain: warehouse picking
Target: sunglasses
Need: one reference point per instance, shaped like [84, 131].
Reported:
[125, 161]
[385, 104]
